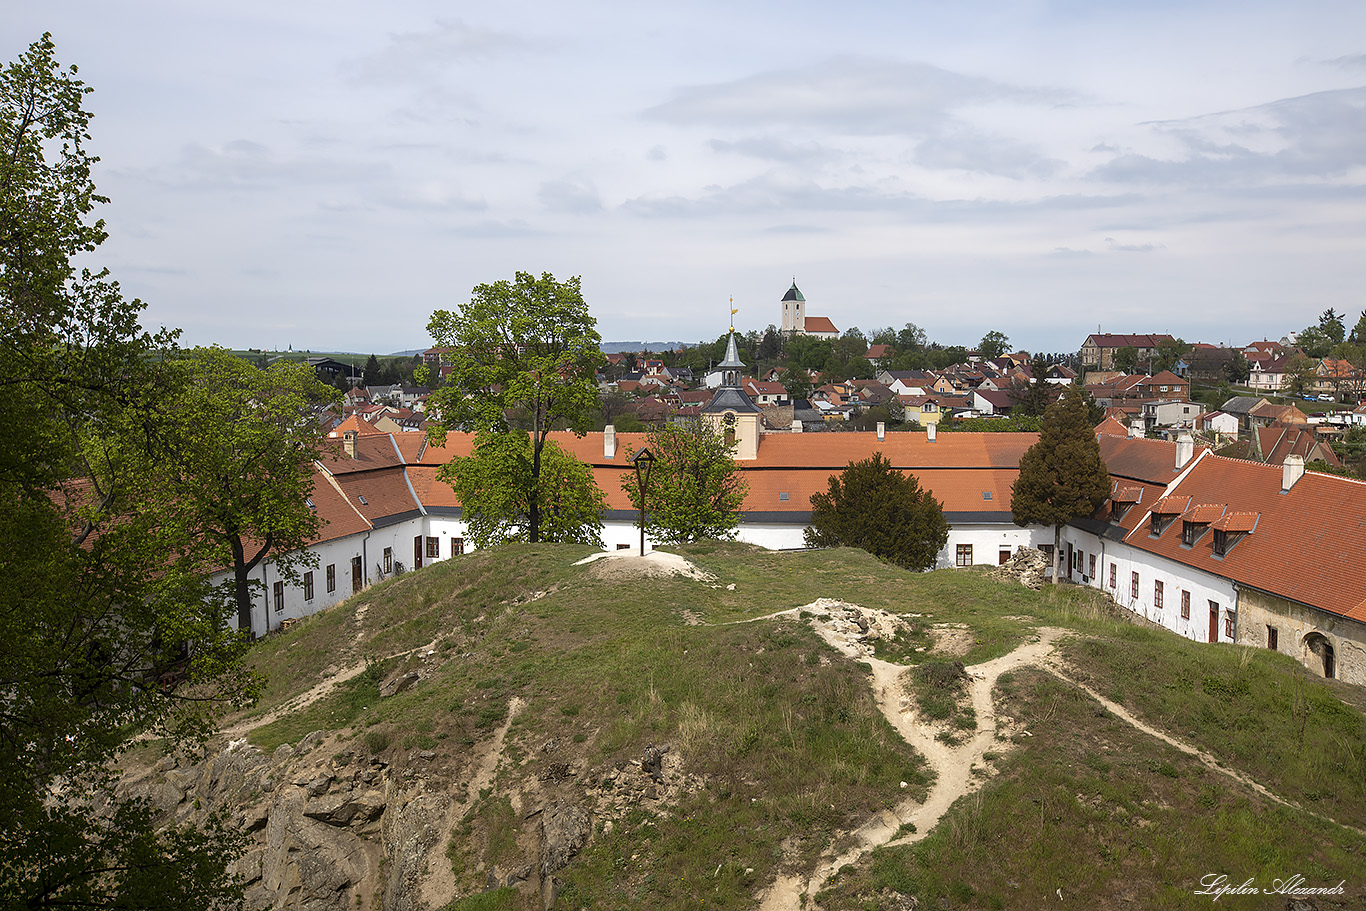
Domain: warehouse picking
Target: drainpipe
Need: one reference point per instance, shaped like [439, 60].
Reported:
[365, 562]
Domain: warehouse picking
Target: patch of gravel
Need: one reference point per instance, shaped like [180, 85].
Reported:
[624, 564]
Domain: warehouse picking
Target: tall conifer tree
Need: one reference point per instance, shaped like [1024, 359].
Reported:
[1062, 476]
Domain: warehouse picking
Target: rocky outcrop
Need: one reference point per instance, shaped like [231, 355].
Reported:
[314, 814]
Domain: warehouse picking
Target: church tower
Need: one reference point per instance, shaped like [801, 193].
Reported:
[794, 310]
[730, 413]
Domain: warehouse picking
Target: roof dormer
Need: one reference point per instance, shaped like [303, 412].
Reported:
[1164, 512]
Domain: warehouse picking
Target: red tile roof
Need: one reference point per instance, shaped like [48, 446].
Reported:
[819, 324]
[1203, 514]
[1304, 544]
[958, 467]
[1171, 506]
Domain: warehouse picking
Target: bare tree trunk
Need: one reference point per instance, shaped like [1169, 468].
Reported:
[1057, 553]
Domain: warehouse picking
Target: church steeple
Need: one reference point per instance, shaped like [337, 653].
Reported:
[732, 367]
[794, 310]
[730, 411]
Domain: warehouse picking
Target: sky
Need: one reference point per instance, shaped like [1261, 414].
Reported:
[325, 175]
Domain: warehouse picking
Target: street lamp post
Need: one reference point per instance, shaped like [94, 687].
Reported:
[643, 462]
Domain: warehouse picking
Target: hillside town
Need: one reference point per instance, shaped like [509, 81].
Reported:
[1226, 520]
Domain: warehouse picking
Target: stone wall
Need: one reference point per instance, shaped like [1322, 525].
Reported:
[1302, 632]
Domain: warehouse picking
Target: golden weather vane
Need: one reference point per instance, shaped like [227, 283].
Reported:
[733, 310]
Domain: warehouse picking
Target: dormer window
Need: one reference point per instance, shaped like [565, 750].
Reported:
[1221, 542]
[1196, 520]
[1232, 528]
[1158, 524]
[1165, 511]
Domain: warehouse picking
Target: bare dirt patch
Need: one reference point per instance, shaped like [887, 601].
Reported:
[952, 640]
[624, 564]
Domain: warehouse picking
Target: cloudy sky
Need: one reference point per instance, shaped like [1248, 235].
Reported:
[325, 174]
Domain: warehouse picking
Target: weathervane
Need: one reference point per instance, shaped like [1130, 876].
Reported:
[733, 310]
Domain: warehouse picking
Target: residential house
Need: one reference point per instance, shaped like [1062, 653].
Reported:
[1277, 443]
[1267, 372]
[1241, 407]
[1098, 351]
[764, 393]
[992, 401]
[1266, 414]
[1167, 414]
[1218, 424]
[1207, 363]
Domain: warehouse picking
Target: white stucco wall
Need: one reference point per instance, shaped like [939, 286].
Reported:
[1204, 588]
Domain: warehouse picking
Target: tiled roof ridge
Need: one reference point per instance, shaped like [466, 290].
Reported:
[1278, 468]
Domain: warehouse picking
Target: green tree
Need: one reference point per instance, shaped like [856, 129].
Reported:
[1126, 359]
[1330, 323]
[527, 346]
[1032, 398]
[96, 609]
[497, 490]
[1299, 375]
[1236, 369]
[770, 345]
[696, 489]
[796, 382]
[993, 345]
[1168, 353]
[910, 338]
[1358, 336]
[1062, 476]
[373, 372]
[873, 506]
[239, 464]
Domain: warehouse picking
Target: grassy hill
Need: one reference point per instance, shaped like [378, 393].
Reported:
[537, 683]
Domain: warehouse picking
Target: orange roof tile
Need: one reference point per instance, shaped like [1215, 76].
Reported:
[1203, 514]
[1306, 542]
[1237, 521]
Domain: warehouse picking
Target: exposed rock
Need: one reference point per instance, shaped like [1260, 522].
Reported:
[652, 763]
[346, 809]
[564, 833]
[409, 829]
[319, 785]
[398, 684]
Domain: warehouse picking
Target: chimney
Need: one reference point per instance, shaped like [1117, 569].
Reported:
[1291, 471]
[1136, 429]
[930, 431]
[1185, 450]
[881, 431]
[609, 441]
[349, 441]
[796, 426]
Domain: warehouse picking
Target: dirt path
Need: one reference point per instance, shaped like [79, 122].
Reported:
[1205, 759]
[311, 695]
[438, 886]
[952, 764]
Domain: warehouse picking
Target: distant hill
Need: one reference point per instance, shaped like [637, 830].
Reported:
[614, 347]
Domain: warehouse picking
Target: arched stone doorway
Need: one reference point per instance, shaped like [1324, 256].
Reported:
[1320, 655]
